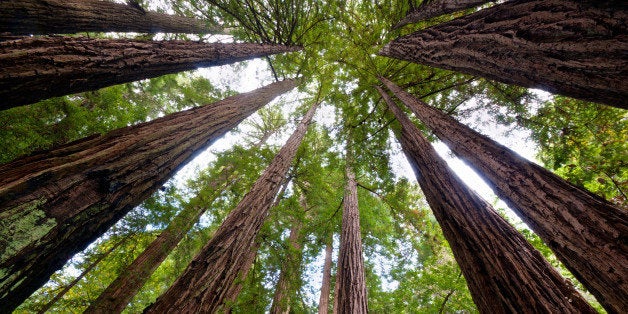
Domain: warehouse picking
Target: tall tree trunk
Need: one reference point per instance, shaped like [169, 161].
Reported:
[38, 17]
[36, 68]
[213, 277]
[290, 266]
[323, 303]
[505, 274]
[585, 232]
[575, 48]
[78, 278]
[350, 280]
[289, 271]
[54, 203]
[434, 8]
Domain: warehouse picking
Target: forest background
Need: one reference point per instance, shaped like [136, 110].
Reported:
[409, 266]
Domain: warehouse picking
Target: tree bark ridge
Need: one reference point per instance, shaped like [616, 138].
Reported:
[41, 17]
[213, 278]
[574, 48]
[36, 68]
[505, 274]
[54, 203]
[588, 234]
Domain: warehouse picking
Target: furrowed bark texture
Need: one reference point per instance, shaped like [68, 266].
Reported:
[54, 203]
[588, 234]
[350, 280]
[574, 48]
[436, 8]
[505, 274]
[289, 271]
[213, 277]
[121, 291]
[39, 17]
[323, 302]
[76, 280]
[36, 68]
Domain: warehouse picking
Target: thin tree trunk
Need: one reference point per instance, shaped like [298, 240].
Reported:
[574, 48]
[323, 303]
[54, 203]
[213, 277]
[38, 17]
[505, 274]
[434, 8]
[350, 280]
[289, 271]
[36, 68]
[586, 233]
[76, 280]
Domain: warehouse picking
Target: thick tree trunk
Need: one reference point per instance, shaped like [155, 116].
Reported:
[289, 271]
[212, 278]
[585, 232]
[78, 278]
[39, 17]
[323, 303]
[434, 8]
[351, 280]
[574, 48]
[54, 203]
[36, 68]
[505, 274]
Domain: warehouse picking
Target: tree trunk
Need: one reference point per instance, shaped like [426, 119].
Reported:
[505, 274]
[323, 303]
[76, 280]
[585, 232]
[574, 48]
[54, 203]
[289, 271]
[434, 8]
[350, 279]
[121, 291]
[213, 277]
[36, 68]
[39, 17]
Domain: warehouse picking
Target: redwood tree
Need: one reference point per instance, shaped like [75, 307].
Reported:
[288, 273]
[574, 48]
[587, 233]
[38, 17]
[54, 203]
[213, 277]
[323, 302]
[350, 278]
[434, 8]
[505, 274]
[36, 68]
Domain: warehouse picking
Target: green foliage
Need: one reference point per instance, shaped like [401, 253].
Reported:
[584, 143]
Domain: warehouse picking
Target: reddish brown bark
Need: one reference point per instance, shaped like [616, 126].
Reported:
[289, 271]
[350, 280]
[586, 233]
[434, 8]
[323, 303]
[129, 282]
[54, 203]
[574, 48]
[36, 68]
[505, 274]
[213, 277]
[39, 17]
